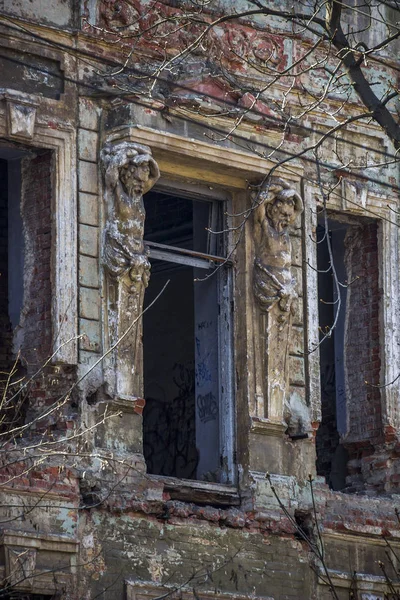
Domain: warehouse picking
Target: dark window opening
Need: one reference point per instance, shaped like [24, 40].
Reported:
[25, 278]
[182, 339]
[331, 456]
[11, 284]
[11, 253]
[350, 355]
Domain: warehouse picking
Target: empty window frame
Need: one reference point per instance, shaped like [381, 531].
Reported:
[187, 340]
[25, 285]
[11, 252]
[350, 355]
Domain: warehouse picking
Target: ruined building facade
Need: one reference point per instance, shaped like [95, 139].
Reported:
[170, 400]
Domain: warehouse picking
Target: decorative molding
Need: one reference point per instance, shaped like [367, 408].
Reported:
[143, 590]
[41, 541]
[23, 568]
[368, 533]
[267, 427]
[369, 587]
[388, 254]
[198, 160]
[21, 116]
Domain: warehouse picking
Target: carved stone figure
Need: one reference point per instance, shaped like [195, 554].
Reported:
[278, 205]
[129, 172]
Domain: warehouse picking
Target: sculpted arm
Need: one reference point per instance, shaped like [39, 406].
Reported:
[259, 212]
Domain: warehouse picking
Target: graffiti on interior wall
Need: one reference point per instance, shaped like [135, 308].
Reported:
[206, 403]
[207, 407]
[203, 372]
[327, 438]
[169, 434]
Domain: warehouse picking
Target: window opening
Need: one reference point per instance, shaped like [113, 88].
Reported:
[331, 456]
[350, 356]
[11, 252]
[182, 336]
[25, 278]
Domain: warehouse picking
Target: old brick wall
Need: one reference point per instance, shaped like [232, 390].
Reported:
[36, 212]
[36, 337]
[237, 552]
[363, 346]
[349, 358]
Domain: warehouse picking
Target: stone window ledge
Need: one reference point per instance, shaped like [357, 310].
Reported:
[199, 492]
[143, 590]
[369, 586]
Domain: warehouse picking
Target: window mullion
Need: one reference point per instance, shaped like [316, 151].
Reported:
[185, 251]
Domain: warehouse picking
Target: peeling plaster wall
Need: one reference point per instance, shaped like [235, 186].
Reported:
[158, 551]
[59, 13]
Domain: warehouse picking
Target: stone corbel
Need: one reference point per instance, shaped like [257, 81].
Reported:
[21, 116]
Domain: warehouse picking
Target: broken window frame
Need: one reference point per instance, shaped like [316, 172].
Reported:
[225, 274]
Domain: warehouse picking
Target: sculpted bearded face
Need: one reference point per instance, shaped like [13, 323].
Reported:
[281, 213]
[134, 177]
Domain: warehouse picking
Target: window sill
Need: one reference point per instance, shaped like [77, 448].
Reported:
[199, 492]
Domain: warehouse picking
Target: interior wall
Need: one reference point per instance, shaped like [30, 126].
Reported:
[34, 333]
[168, 357]
[327, 439]
[363, 361]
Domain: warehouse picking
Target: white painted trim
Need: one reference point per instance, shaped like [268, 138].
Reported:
[388, 253]
[311, 301]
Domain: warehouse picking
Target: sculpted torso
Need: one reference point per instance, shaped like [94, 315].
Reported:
[130, 171]
[130, 221]
[275, 250]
